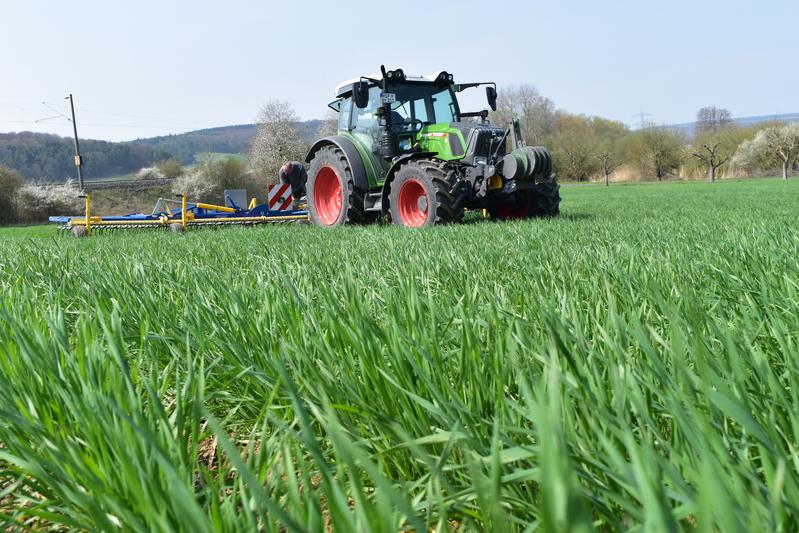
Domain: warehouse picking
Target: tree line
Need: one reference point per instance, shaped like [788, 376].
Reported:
[590, 148]
[587, 148]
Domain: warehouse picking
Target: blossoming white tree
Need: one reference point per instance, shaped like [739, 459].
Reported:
[775, 145]
[276, 141]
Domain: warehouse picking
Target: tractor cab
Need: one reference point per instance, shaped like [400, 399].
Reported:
[393, 114]
[413, 105]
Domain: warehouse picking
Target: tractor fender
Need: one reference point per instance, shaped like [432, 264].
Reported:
[350, 152]
[401, 160]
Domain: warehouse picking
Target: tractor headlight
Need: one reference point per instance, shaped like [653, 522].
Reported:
[451, 78]
[390, 74]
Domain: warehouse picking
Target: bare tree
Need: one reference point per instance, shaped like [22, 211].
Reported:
[609, 134]
[536, 112]
[277, 140]
[712, 118]
[609, 163]
[713, 154]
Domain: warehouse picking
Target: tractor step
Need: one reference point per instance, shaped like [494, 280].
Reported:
[373, 202]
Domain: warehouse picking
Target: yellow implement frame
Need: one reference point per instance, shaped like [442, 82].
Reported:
[214, 207]
[186, 218]
[98, 221]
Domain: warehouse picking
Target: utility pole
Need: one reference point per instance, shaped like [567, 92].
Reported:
[78, 158]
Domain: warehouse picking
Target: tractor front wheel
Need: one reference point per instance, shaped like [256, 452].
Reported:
[424, 193]
[543, 200]
[333, 198]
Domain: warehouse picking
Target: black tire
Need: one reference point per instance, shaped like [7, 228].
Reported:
[329, 204]
[438, 194]
[546, 199]
[542, 200]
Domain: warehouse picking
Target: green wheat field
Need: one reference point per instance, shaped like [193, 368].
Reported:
[631, 365]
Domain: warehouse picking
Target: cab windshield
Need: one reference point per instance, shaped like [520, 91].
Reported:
[429, 104]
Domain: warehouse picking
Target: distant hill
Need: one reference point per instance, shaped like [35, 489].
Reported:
[226, 139]
[689, 127]
[42, 156]
[184, 146]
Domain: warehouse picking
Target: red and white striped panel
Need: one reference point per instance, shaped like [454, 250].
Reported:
[279, 197]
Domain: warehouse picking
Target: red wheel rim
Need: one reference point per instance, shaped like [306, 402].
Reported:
[517, 210]
[327, 195]
[412, 202]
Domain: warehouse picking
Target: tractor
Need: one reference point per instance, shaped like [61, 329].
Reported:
[404, 149]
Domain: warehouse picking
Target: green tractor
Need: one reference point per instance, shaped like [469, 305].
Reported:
[405, 149]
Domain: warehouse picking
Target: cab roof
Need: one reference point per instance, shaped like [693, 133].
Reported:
[344, 88]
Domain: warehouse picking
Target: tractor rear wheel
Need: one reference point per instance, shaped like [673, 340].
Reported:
[424, 193]
[543, 200]
[333, 198]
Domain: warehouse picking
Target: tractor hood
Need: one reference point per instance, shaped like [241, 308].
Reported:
[471, 142]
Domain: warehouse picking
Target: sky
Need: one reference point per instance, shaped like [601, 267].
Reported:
[146, 68]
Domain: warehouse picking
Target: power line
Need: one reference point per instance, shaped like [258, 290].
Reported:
[100, 125]
[54, 110]
[28, 122]
[143, 117]
[61, 109]
[39, 120]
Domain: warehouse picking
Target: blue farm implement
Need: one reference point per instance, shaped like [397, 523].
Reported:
[179, 215]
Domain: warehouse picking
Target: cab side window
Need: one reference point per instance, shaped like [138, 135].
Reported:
[365, 119]
[344, 114]
[420, 110]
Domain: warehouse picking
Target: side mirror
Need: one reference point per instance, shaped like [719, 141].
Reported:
[360, 93]
[491, 94]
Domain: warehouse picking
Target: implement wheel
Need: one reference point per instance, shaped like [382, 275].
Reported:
[424, 193]
[543, 200]
[333, 198]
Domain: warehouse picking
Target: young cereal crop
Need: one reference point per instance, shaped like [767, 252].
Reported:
[630, 365]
